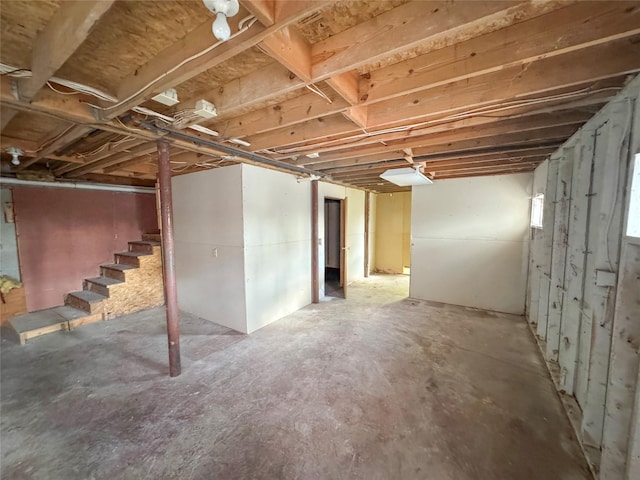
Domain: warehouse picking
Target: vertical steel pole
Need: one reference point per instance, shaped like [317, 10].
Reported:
[367, 219]
[168, 264]
[315, 286]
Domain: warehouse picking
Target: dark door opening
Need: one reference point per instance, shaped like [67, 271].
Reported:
[335, 248]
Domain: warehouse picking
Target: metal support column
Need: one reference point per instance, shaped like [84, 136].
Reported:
[168, 263]
[315, 286]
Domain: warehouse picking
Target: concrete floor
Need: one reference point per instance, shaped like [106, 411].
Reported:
[374, 387]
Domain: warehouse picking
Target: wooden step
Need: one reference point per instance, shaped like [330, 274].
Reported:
[50, 320]
[76, 318]
[115, 271]
[143, 247]
[101, 285]
[38, 323]
[151, 237]
[129, 258]
[90, 302]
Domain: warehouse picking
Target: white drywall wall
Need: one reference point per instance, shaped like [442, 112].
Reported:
[277, 239]
[470, 241]
[355, 229]
[207, 213]
[373, 212]
[8, 244]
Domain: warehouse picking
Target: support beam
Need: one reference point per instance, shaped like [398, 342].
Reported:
[194, 54]
[325, 134]
[72, 134]
[290, 49]
[571, 70]
[6, 115]
[315, 240]
[415, 24]
[168, 260]
[545, 36]
[94, 165]
[69, 27]
[459, 140]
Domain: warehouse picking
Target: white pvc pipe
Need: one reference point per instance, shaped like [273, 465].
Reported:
[78, 186]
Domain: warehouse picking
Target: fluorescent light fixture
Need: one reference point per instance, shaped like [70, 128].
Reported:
[406, 177]
[313, 155]
[237, 141]
[205, 130]
[168, 97]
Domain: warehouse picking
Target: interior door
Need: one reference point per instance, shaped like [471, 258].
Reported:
[344, 248]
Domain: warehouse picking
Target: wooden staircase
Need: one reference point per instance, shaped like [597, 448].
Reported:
[132, 283]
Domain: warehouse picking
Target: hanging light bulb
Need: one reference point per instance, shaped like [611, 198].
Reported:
[15, 153]
[221, 28]
[223, 10]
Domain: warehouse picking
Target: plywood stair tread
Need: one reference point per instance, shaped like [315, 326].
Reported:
[69, 313]
[50, 320]
[146, 242]
[98, 301]
[87, 296]
[105, 281]
[118, 266]
[133, 254]
[41, 319]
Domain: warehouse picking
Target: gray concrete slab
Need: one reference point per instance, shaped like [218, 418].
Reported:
[374, 387]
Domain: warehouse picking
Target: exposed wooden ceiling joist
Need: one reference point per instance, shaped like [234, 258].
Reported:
[469, 87]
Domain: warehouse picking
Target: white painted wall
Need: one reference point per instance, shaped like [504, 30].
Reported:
[208, 217]
[470, 241]
[277, 240]
[373, 213]
[258, 221]
[355, 229]
[8, 244]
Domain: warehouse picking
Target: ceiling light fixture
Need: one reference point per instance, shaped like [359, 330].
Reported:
[223, 10]
[406, 177]
[238, 141]
[169, 97]
[15, 153]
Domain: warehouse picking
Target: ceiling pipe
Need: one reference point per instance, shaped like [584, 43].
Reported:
[78, 186]
[259, 159]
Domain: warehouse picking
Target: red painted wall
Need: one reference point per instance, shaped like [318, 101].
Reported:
[64, 235]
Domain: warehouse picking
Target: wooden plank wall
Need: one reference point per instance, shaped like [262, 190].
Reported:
[584, 284]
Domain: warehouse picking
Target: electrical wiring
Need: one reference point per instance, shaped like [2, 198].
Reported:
[104, 146]
[77, 87]
[479, 111]
[148, 111]
[319, 92]
[94, 92]
[60, 91]
[131, 129]
[244, 24]
[249, 19]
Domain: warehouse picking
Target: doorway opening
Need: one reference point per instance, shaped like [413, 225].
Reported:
[335, 284]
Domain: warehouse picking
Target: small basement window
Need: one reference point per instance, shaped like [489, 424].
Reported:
[633, 218]
[537, 207]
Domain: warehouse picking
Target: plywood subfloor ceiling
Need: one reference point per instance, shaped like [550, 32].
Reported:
[341, 89]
